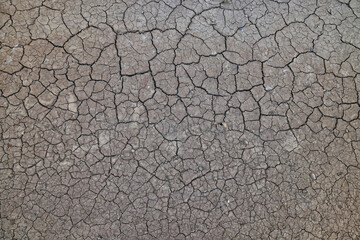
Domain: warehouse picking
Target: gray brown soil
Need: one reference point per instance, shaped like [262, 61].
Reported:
[179, 119]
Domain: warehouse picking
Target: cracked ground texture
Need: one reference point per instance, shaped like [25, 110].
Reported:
[179, 119]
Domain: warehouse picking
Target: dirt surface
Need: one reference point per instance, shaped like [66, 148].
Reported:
[179, 119]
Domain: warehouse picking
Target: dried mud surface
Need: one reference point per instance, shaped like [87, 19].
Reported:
[179, 119]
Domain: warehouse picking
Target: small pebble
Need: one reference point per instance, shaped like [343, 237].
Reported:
[266, 52]
[268, 88]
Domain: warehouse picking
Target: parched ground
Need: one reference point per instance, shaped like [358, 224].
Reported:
[179, 119]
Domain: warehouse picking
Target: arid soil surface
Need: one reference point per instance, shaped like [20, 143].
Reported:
[179, 119]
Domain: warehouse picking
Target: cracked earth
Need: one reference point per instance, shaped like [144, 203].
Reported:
[179, 119]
